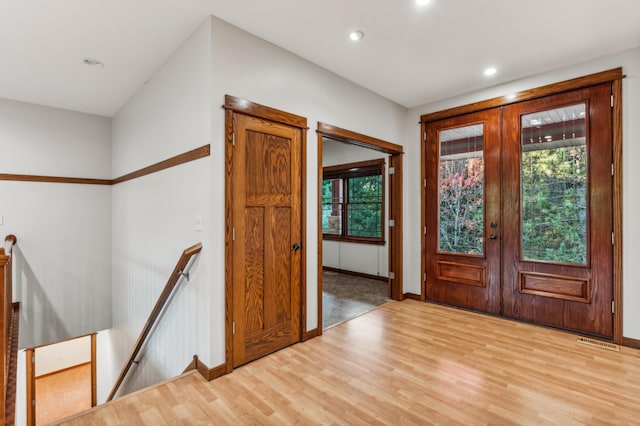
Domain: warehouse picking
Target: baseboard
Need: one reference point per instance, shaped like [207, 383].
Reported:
[413, 296]
[216, 372]
[203, 369]
[208, 373]
[357, 274]
[192, 365]
[308, 335]
[631, 343]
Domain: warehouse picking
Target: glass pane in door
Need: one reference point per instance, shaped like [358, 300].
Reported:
[461, 190]
[554, 202]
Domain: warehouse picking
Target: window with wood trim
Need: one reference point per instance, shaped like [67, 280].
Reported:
[353, 202]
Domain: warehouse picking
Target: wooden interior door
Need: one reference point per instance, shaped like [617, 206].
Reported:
[558, 211]
[463, 211]
[266, 198]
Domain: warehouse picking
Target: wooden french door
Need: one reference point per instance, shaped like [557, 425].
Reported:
[463, 211]
[558, 211]
[266, 198]
[523, 226]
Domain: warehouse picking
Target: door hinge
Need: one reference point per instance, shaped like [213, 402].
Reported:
[424, 277]
[425, 135]
[392, 223]
[613, 241]
[612, 170]
[233, 328]
[233, 139]
[392, 170]
[611, 101]
[613, 307]
[233, 234]
[425, 230]
[392, 276]
[425, 183]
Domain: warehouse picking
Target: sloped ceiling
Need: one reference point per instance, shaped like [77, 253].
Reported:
[410, 54]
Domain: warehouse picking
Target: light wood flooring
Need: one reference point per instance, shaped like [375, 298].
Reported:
[74, 383]
[405, 363]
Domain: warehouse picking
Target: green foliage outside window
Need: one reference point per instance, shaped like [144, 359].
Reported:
[554, 205]
[364, 207]
[553, 210]
[352, 204]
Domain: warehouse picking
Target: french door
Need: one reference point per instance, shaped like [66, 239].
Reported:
[463, 200]
[519, 211]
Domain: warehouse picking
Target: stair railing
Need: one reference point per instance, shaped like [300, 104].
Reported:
[9, 322]
[179, 271]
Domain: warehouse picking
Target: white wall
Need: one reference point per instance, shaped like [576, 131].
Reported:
[365, 258]
[178, 110]
[630, 62]
[62, 270]
[62, 262]
[21, 389]
[154, 218]
[62, 355]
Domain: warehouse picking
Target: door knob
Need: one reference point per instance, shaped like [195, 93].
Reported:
[296, 247]
[493, 236]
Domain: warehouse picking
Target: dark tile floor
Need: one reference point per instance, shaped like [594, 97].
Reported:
[347, 296]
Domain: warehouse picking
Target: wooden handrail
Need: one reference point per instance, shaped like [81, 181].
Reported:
[178, 272]
[8, 332]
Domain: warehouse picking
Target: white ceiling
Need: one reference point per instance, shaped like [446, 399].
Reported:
[410, 54]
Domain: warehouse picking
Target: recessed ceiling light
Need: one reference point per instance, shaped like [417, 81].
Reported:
[422, 2]
[356, 35]
[490, 71]
[90, 62]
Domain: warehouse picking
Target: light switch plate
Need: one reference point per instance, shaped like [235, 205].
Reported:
[198, 223]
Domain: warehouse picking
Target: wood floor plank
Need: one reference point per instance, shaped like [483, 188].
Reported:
[74, 382]
[409, 363]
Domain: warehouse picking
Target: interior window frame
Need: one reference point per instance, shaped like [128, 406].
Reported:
[349, 171]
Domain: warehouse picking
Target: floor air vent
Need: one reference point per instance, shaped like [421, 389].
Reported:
[599, 344]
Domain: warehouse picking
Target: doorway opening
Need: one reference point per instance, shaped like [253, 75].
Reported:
[354, 257]
[64, 368]
[359, 224]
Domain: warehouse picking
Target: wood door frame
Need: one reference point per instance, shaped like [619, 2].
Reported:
[613, 76]
[30, 370]
[395, 202]
[234, 105]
